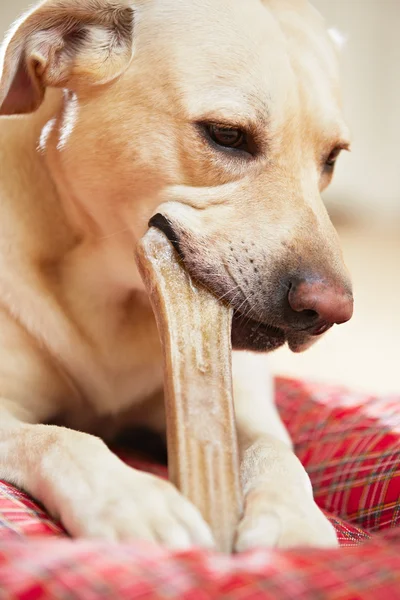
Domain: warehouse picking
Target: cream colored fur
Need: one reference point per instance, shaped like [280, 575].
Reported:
[108, 142]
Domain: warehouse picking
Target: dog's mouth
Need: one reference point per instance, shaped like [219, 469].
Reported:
[247, 334]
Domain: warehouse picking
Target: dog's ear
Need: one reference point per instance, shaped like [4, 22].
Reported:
[65, 44]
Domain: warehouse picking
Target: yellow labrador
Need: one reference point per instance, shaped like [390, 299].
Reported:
[219, 121]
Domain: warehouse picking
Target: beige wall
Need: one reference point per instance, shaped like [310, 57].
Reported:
[368, 180]
[9, 10]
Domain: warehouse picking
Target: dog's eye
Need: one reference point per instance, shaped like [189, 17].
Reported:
[332, 158]
[228, 137]
[232, 140]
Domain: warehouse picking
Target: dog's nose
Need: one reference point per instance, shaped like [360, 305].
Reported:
[317, 305]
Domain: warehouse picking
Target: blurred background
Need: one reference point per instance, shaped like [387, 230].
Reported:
[364, 200]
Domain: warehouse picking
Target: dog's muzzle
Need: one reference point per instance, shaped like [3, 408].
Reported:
[310, 307]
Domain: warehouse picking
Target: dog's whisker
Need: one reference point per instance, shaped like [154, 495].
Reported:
[114, 234]
[227, 293]
[245, 300]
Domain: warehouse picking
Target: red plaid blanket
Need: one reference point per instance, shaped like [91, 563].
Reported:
[350, 445]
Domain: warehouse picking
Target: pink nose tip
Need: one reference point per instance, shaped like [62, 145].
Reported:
[319, 299]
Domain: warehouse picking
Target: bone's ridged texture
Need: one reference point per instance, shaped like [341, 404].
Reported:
[195, 331]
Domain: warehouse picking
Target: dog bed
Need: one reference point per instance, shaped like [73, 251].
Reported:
[350, 445]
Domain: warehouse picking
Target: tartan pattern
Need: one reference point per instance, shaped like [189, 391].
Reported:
[21, 516]
[350, 445]
[67, 570]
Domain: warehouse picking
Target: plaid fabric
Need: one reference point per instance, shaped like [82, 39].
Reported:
[65, 570]
[350, 445]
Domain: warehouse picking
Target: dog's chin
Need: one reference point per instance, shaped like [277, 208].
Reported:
[252, 335]
[300, 343]
[260, 337]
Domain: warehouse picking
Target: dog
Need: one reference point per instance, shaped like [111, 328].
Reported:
[219, 122]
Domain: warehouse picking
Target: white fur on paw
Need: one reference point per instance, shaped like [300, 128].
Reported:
[130, 505]
[270, 523]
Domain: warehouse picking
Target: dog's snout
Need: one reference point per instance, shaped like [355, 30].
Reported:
[316, 305]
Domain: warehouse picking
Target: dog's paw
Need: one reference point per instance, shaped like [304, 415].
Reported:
[272, 521]
[132, 505]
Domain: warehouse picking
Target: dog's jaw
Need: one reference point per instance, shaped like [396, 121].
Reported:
[258, 337]
[247, 333]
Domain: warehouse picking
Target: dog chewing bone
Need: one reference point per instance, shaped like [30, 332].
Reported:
[195, 331]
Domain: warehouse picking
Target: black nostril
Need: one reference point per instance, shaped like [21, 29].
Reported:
[309, 314]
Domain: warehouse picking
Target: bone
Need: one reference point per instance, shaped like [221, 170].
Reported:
[195, 332]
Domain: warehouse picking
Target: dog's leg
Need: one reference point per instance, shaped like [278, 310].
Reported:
[80, 481]
[75, 476]
[279, 505]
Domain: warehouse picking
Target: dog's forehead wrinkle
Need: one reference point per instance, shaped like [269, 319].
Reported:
[230, 104]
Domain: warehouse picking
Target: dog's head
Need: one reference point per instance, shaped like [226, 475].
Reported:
[220, 121]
